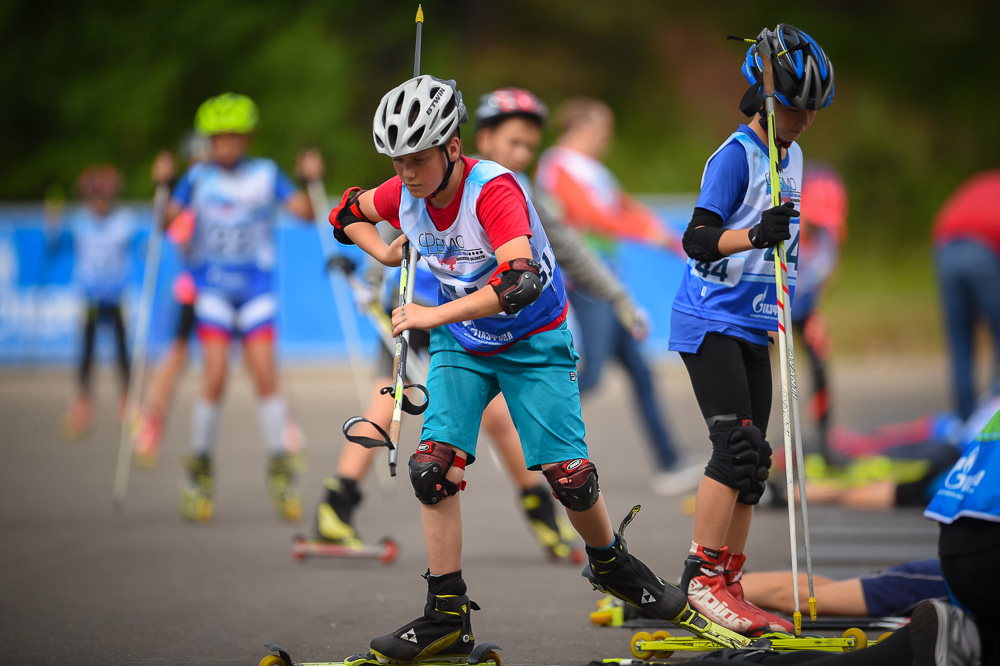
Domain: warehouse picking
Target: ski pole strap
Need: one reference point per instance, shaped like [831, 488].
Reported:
[367, 442]
[408, 406]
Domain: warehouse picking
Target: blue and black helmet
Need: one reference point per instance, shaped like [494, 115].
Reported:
[803, 75]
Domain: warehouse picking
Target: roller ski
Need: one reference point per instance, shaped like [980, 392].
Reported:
[283, 488]
[385, 551]
[550, 527]
[333, 531]
[442, 636]
[615, 572]
[197, 490]
[485, 653]
[662, 645]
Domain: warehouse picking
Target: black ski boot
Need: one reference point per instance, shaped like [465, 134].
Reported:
[552, 530]
[334, 515]
[614, 571]
[443, 632]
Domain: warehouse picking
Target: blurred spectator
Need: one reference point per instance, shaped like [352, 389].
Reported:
[822, 231]
[966, 236]
[587, 197]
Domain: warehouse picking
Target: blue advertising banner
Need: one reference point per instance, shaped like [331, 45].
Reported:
[41, 308]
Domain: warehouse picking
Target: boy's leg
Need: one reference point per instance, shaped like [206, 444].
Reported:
[115, 312]
[462, 386]
[79, 416]
[272, 414]
[198, 490]
[597, 324]
[552, 531]
[645, 394]
[958, 307]
[773, 589]
[729, 377]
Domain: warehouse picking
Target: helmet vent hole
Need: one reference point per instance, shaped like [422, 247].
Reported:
[390, 136]
[415, 137]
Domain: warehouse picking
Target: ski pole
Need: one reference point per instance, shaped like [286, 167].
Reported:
[406, 278]
[341, 296]
[786, 351]
[144, 314]
[407, 272]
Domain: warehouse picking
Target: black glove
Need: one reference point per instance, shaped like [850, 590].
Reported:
[773, 226]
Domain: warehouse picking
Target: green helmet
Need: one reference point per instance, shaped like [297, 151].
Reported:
[228, 113]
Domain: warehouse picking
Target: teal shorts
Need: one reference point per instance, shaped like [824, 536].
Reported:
[537, 376]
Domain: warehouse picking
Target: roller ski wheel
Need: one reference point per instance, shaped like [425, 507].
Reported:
[661, 645]
[484, 653]
[303, 547]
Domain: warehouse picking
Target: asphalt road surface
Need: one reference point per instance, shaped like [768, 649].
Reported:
[85, 584]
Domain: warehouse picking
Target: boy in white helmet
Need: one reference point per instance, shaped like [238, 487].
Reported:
[499, 327]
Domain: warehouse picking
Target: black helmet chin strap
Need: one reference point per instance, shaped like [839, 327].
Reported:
[447, 174]
[448, 171]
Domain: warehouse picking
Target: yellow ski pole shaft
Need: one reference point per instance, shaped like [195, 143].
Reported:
[781, 284]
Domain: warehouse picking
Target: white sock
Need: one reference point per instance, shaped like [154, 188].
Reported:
[205, 417]
[272, 413]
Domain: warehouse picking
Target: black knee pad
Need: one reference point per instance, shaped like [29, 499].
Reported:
[429, 467]
[736, 450]
[574, 483]
[755, 490]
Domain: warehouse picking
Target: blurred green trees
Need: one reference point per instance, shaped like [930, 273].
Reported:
[914, 113]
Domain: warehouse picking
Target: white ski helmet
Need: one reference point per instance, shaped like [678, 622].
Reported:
[416, 115]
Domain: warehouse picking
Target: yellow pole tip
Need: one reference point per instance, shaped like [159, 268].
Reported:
[420, 13]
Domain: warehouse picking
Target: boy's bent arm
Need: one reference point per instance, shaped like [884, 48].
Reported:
[367, 237]
[482, 303]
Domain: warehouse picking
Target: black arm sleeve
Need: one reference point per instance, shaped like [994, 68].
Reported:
[701, 239]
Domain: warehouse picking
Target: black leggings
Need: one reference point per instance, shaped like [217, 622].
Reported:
[731, 378]
[97, 313]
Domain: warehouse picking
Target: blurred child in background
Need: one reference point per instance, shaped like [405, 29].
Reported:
[234, 200]
[103, 238]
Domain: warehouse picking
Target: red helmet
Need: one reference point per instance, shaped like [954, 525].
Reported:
[824, 199]
[99, 180]
[506, 102]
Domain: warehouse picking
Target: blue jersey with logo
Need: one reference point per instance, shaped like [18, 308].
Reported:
[102, 246]
[737, 294]
[972, 487]
[232, 250]
[462, 260]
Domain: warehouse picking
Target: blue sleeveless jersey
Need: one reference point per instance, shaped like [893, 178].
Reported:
[462, 260]
[232, 250]
[102, 248]
[739, 291]
[972, 487]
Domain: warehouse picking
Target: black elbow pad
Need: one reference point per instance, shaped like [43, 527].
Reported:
[517, 284]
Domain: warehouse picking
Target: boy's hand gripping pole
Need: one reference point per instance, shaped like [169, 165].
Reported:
[786, 352]
[153, 248]
[406, 277]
